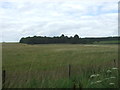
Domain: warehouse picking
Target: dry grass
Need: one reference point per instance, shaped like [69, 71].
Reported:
[47, 65]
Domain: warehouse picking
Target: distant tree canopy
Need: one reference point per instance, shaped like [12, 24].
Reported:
[63, 39]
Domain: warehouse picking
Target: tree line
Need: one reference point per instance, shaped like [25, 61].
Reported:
[63, 39]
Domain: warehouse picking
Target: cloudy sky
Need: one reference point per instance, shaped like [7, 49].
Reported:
[87, 18]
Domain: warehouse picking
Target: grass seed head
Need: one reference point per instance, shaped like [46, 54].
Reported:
[111, 83]
[115, 68]
[98, 81]
[109, 71]
[112, 77]
[92, 76]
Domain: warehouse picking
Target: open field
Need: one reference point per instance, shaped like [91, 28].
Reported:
[46, 66]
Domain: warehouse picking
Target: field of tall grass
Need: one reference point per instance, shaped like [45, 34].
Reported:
[46, 65]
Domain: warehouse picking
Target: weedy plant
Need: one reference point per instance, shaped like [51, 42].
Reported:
[106, 79]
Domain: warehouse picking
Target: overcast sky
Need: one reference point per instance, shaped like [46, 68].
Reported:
[87, 18]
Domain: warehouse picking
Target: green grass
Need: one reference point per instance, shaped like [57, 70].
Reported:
[46, 66]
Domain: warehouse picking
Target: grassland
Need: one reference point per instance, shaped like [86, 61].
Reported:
[46, 66]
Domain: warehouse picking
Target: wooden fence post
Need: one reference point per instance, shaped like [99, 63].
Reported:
[114, 63]
[69, 71]
[3, 78]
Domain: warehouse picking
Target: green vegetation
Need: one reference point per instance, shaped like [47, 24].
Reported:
[66, 40]
[54, 40]
[46, 65]
[108, 42]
